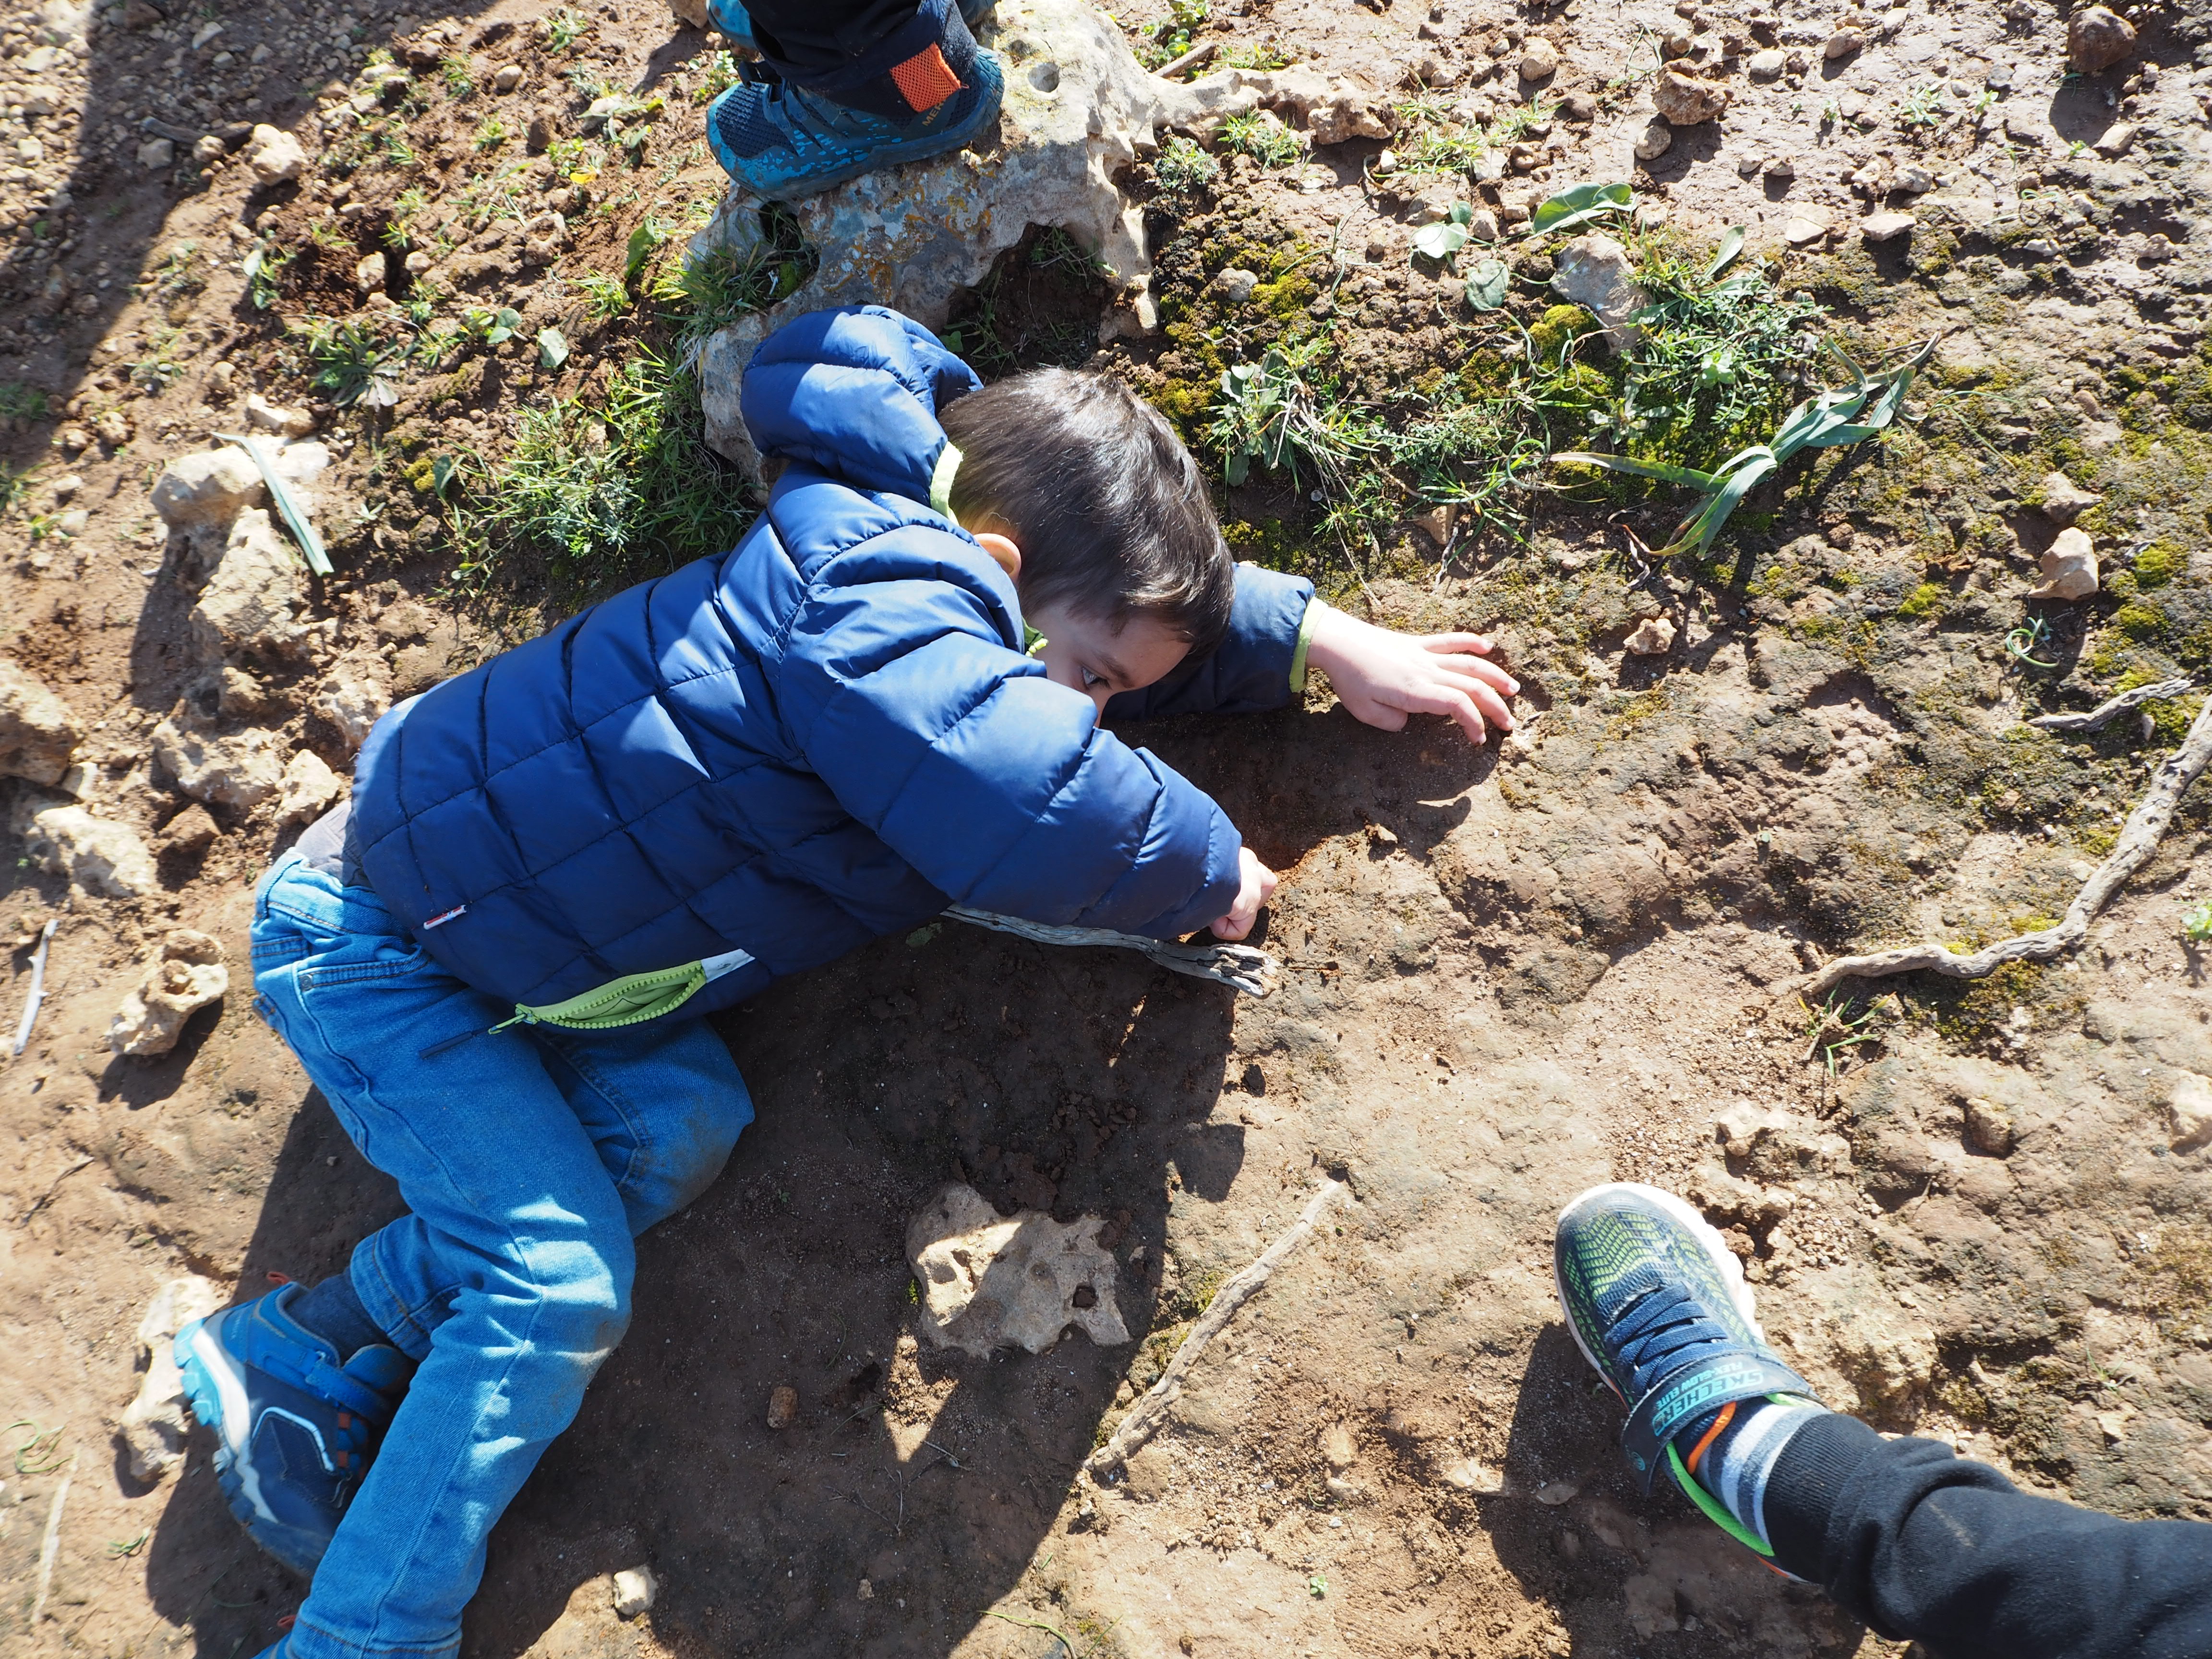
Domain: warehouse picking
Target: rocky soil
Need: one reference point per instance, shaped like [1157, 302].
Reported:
[1976, 1211]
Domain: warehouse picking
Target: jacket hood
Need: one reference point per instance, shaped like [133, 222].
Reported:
[854, 393]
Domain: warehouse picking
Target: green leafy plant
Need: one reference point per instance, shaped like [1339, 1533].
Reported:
[717, 77]
[552, 348]
[705, 294]
[1488, 282]
[352, 363]
[1184, 165]
[1168, 40]
[1846, 414]
[157, 370]
[1579, 205]
[22, 402]
[453, 70]
[1264, 138]
[491, 132]
[603, 297]
[2196, 923]
[493, 328]
[1445, 238]
[562, 30]
[1271, 412]
[264, 275]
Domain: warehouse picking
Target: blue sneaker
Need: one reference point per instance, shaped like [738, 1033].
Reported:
[1657, 1303]
[294, 1429]
[734, 21]
[783, 143]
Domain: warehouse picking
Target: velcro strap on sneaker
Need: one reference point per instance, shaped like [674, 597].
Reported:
[1697, 1388]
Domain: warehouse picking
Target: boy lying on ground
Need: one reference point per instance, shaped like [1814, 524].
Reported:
[493, 961]
[1905, 1534]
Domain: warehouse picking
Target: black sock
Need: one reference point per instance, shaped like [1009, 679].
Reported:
[334, 1310]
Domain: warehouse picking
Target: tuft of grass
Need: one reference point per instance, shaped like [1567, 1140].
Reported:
[1263, 136]
[1279, 413]
[562, 30]
[704, 295]
[491, 132]
[352, 363]
[1184, 165]
[453, 71]
[604, 296]
[20, 401]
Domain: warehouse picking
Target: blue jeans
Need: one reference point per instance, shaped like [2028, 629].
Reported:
[528, 1161]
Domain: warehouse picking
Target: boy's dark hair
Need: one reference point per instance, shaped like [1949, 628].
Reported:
[1109, 509]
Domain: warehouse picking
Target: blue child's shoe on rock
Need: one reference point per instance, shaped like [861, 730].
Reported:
[729, 17]
[295, 1424]
[783, 140]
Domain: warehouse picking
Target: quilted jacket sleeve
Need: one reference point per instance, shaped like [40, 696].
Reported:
[1251, 672]
[993, 783]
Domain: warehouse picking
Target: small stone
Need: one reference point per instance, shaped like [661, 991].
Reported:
[2188, 1112]
[1686, 99]
[1595, 271]
[209, 149]
[1654, 637]
[156, 1425]
[1438, 523]
[2064, 500]
[1803, 232]
[249, 609]
[290, 422]
[156, 154]
[506, 77]
[188, 976]
[2069, 568]
[1781, 169]
[1886, 227]
[273, 155]
[1540, 59]
[240, 771]
[1654, 142]
[369, 275]
[1338, 1446]
[95, 855]
[1236, 284]
[353, 700]
[1841, 45]
[782, 1407]
[867, 1591]
[1482, 225]
[191, 833]
[1989, 1128]
[1557, 1492]
[1045, 1276]
[1386, 164]
[113, 428]
[38, 734]
[2097, 38]
[1768, 65]
[1343, 1490]
[310, 788]
[1579, 109]
[1467, 1475]
[2116, 139]
[1914, 181]
[1797, 63]
[138, 17]
[634, 1588]
[211, 487]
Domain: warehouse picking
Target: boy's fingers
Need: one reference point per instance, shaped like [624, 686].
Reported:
[1445, 700]
[1476, 668]
[1446, 643]
[1486, 696]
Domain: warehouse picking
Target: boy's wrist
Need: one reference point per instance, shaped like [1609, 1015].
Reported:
[1302, 656]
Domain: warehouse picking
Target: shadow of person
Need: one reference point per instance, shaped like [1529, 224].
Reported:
[1623, 1569]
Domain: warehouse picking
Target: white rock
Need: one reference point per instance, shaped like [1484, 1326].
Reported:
[1654, 637]
[353, 699]
[96, 855]
[1886, 227]
[1236, 285]
[1348, 111]
[988, 1282]
[240, 771]
[250, 606]
[310, 788]
[368, 275]
[1467, 1476]
[212, 487]
[1803, 232]
[634, 1588]
[156, 154]
[2064, 500]
[1840, 44]
[1654, 142]
[185, 977]
[2189, 1111]
[1554, 1493]
[155, 1423]
[1767, 66]
[266, 416]
[1595, 272]
[273, 155]
[1540, 59]
[506, 77]
[1078, 109]
[2070, 567]
[37, 733]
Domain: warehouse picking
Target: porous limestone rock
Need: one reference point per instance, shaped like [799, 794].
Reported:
[2188, 1112]
[2097, 38]
[991, 1282]
[1685, 97]
[1078, 108]
[157, 1423]
[96, 855]
[266, 416]
[185, 977]
[1886, 227]
[1891, 1362]
[1654, 142]
[1595, 272]
[2070, 567]
[273, 155]
[635, 1590]
[240, 771]
[1653, 637]
[249, 610]
[310, 788]
[209, 488]
[1540, 59]
[38, 734]
[2064, 500]
[354, 698]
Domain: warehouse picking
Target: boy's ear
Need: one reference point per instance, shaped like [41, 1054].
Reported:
[1003, 551]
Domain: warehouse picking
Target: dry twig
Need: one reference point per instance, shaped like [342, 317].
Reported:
[2146, 827]
[2098, 717]
[1145, 1417]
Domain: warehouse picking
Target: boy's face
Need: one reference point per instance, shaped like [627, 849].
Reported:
[1097, 660]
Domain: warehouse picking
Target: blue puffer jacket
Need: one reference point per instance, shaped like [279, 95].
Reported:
[770, 757]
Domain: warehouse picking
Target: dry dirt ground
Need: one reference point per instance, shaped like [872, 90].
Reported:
[1511, 974]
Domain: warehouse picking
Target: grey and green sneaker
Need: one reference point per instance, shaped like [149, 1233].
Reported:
[1659, 1307]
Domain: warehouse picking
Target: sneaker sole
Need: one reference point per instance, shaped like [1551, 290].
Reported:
[217, 1394]
[1709, 1239]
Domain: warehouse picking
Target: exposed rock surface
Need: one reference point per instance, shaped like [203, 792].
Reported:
[989, 1282]
[241, 771]
[1595, 272]
[310, 788]
[96, 855]
[1685, 98]
[157, 1423]
[354, 698]
[185, 977]
[2070, 567]
[2097, 38]
[249, 610]
[210, 487]
[37, 733]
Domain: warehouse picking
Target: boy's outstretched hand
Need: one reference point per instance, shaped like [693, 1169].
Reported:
[1383, 677]
[1256, 885]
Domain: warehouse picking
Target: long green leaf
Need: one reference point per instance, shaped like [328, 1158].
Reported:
[288, 504]
[1659, 470]
[1731, 245]
[1578, 203]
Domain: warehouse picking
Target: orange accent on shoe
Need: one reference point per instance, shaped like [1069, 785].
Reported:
[345, 1419]
[926, 80]
[1727, 1417]
[276, 1278]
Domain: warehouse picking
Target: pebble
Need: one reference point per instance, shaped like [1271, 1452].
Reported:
[152, 155]
[1654, 142]
[1768, 65]
[1841, 45]
[2064, 500]
[1540, 59]
[635, 1590]
[1886, 227]
[1803, 232]
[506, 77]
[2097, 38]
[782, 1407]
[1677, 45]
[1236, 284]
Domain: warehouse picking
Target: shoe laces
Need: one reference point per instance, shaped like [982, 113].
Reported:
[1654, 1339]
